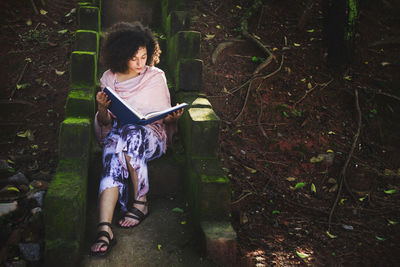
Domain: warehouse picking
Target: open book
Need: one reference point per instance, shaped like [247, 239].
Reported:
[128, 115]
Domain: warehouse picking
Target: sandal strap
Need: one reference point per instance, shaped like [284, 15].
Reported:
[104, 223]
[101, 234]
[140, 202]
[136, 214]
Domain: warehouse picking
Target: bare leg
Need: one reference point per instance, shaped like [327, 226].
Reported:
[108, 199]
[129, 222]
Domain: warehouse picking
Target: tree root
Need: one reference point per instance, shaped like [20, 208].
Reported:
[343, 172]
[323, 85]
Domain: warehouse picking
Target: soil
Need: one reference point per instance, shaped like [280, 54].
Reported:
[285, 154]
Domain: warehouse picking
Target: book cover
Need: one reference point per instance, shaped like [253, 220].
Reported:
[128, 115]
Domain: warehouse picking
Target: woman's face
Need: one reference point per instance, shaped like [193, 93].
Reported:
[137, 63]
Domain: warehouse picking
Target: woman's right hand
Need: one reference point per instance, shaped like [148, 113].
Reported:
[102, 100]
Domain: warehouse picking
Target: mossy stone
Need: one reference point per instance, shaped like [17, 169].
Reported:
[80, 103]
[83, 69]
[177, 21]
[214, 189]
[86, 40]
[75, 138]
[89, 18]
[200, 134]
[189, 75]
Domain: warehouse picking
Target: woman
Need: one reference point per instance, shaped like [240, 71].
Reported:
[130, 52]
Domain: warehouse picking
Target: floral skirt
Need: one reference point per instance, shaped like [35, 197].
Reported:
[141, 144]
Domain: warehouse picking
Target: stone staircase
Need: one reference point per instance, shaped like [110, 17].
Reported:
[188, 177]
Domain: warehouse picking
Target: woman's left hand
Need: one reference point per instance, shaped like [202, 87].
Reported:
[174, 116]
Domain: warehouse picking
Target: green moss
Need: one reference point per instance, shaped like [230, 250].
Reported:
[74, 120]
[214, 179]
[352, 18]
[203, 114]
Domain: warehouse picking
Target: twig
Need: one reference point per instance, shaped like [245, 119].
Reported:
[388, 95]
[263, 77]
[19, 79]
[241, 198]
[343, 172]
[259, 18]
[323, 85]
[261, 112]
[262, 46]
[34, 7]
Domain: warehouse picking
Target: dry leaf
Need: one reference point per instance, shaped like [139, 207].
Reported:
[58, 72]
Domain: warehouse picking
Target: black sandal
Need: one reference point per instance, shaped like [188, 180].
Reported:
[109, 244]
[136, 214]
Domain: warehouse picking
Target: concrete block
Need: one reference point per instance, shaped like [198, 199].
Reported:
[214, 193]
[166, 174]
[89, 18]
[189, 74]
[86, 40]
[177, 21]
[167, 6]
[220, 242]
[194, 99]
[75, 138]
[184, 44]
[80, 103]
[65, 212]
[200, 130]
[83, 69]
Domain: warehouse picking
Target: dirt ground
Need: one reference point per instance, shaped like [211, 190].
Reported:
[286, 152]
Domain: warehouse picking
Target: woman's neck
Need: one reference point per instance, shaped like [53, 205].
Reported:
[121, 77]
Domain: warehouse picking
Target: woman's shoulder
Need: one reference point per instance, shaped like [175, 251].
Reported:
[154, 70]
[108, 78]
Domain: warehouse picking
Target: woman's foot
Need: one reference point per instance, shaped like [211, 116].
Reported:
[134, 215]
[104, 241]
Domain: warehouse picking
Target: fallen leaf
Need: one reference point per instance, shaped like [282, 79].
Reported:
[388, 172]
[329, 151]
[59, 73]
[27, 134]
[316, 159]
[331, 235]
[392, 222]
[333, 188]
[209, 36]
[311, 30]
[257, 37]
[276, 212]
[296, 44]
[12, 188]
[303, 80]
[251, 170]
[43, 12]
[63, 31]
[302, 255]
[291, 179]
[274, 49]
[385, 64]
[332, 181]
[159, 247]
[183, 222]
[23, 86]
[313, 188]
[347, 78]
[177, 210]
[309, 85]
[390, 191]
[299, 185]
[380, 238]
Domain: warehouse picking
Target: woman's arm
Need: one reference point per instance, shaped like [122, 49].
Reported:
[103, 103]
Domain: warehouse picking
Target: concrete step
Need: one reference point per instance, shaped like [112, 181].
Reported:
[160, 240]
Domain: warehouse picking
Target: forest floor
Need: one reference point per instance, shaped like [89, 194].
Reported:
[285, 139]
[286, 152]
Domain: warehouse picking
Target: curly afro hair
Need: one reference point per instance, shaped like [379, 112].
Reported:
[122, 41]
